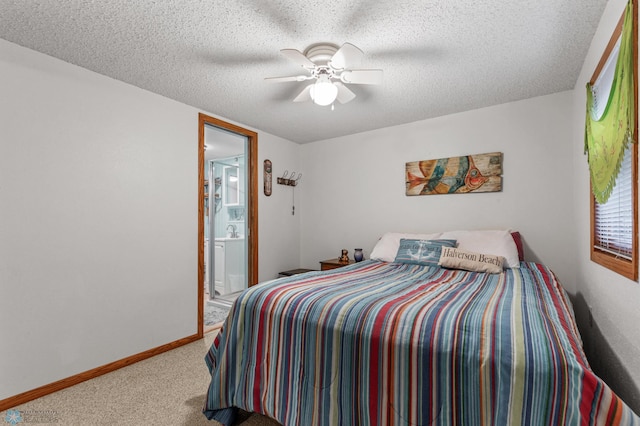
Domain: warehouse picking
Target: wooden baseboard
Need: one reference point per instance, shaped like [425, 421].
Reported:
[16, 400]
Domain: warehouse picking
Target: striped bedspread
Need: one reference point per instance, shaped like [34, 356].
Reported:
[380, 343]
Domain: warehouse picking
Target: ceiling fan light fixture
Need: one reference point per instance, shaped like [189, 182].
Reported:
[332, 68]
[324, 92]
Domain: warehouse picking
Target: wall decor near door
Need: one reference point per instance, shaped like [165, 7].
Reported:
[289, 180]
[455, 175]
[267, 177]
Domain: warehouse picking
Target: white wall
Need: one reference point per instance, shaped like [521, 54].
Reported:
[612, 342]
[279, 230]
[355, 188]
[98, 219]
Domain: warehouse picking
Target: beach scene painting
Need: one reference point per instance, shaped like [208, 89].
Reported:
[455, 175]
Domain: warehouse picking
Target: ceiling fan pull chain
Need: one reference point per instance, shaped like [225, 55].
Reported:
[293, 201]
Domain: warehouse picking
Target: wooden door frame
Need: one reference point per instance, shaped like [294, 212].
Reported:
[252, 205]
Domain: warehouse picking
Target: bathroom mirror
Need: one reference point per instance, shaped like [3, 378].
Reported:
[231, 186]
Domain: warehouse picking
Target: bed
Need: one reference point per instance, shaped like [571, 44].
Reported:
[396, 343]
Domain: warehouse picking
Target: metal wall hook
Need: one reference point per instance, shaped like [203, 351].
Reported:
[283, 180]
[291, 180]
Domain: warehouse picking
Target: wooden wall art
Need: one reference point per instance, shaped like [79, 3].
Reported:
[267, 177]
[455, 175]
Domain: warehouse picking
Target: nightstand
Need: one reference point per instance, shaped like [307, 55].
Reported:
[325, 265]
[294, 272]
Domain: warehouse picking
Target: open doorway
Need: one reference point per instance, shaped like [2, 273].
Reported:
[227, 219]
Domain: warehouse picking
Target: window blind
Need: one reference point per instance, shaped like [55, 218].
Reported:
[614, 219]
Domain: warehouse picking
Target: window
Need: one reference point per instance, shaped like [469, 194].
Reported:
[614, 239]
[613, 220]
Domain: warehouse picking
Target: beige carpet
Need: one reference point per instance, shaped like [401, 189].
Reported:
[168, 389]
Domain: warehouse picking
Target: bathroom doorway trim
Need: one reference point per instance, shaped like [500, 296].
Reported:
[252, 205]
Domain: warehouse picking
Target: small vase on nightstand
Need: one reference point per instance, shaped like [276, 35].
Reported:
[358, 255]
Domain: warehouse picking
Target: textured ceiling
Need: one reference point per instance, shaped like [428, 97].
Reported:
[438, 56]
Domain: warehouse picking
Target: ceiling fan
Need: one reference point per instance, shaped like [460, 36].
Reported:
[331, 68]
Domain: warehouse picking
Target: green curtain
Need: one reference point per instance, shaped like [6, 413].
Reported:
[606, 138]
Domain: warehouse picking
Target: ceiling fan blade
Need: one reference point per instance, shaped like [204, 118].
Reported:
[361, 76]
[305, 95]
[298, 57]
[284, 79]
[347, 56]
[344, 94]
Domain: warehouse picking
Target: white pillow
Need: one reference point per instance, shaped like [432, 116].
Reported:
[387, 246]
[497, 242]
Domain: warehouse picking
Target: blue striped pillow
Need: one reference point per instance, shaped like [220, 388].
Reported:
[422, 252]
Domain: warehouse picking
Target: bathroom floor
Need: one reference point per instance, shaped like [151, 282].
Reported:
[225, 299]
